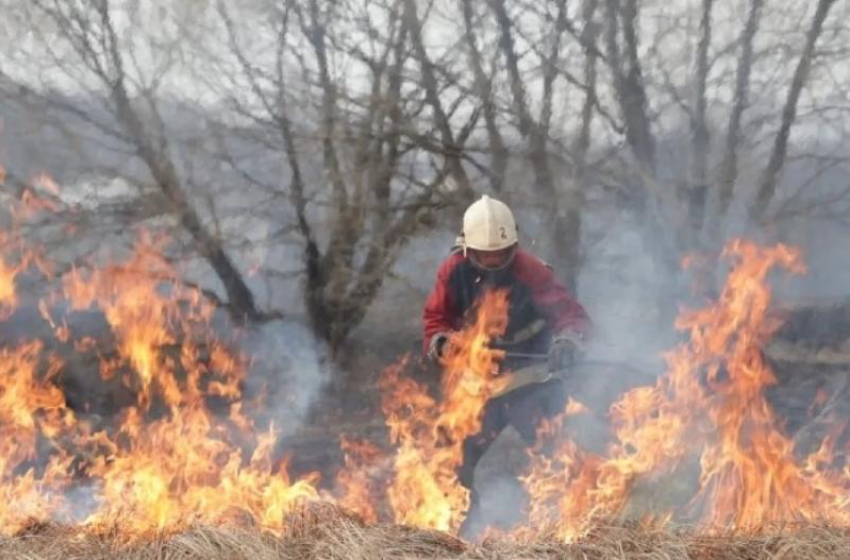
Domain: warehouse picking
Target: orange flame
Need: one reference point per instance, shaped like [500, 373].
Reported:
[184, 467]
[169, 458]
[31, 407]
[359, 480]
[574, 408]
[430, 433]
[10, 270]
[185, 450]
[710, 402]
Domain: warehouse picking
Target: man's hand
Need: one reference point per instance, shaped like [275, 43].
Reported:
[437, 345]
[564, 351]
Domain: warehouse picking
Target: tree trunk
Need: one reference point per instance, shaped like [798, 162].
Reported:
[729, 165]
[767, 187]
[560, 244]
[700, 141]
[432, 95]
[631, 92]
[484, 88]
[240, 299]
[575, 195]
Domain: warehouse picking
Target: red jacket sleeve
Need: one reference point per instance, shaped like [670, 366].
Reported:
[562, 310]
[440, 313]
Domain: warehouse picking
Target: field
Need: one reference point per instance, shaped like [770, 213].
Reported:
[326, 533]
[174, 450]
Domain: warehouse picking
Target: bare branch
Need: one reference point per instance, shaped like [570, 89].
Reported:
[767, 187]
[729, 165]
[484, 87]
[700, 141]
[441, 118]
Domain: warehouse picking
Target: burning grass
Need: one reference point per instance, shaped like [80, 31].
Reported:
[187, 467]
[325, 532]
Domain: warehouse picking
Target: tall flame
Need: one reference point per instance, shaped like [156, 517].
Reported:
[710, 402]
[183, 451]
[429, 433]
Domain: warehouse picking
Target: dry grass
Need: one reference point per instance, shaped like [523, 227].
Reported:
[326, 533]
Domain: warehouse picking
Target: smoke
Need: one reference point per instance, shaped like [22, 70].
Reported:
[291, 366]
[619, 285]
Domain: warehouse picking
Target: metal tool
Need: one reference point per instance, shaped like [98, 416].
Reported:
[591, 363]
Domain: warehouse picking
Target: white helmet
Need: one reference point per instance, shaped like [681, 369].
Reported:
[488, 225]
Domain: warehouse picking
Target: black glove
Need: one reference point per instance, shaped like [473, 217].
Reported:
[437, 345]
[564, 351]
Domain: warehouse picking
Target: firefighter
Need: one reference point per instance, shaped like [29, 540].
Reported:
[543, 320]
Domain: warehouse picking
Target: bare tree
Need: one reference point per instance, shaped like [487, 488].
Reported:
[629, 87]
[562, 244]
[729, 163]
[767, 186]
[452, 149]
[351, 125]
[89, 31]
[484, 90]
[700, 141]
[574, 199]
[371, 151]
